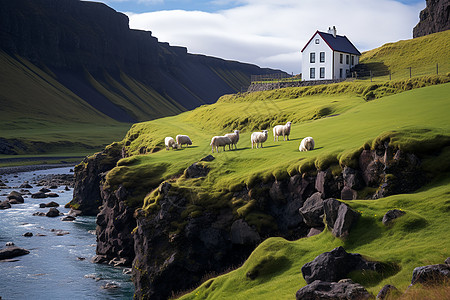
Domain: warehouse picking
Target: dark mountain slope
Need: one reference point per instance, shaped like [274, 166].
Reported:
[124, 74]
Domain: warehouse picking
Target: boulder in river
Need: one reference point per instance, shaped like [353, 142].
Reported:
[11, 252]
[53, 212]
[15, 198]
[52, 204]
[5, 204]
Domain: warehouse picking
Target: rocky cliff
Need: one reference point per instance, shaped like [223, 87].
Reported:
[176, 246]
[123, 73]
[434, 18]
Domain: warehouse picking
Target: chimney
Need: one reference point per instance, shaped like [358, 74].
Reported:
[332, 31]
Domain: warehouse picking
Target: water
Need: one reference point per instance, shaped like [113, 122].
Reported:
[55, 268]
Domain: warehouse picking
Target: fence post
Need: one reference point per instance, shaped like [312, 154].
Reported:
[437, 69]
[390, 75]
[409, 72]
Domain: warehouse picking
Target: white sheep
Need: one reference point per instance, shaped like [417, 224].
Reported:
[234, 137]
[183, 140]
[259, 138]
[170, 142]
[218, 141]
[307, 144]
[283, 130]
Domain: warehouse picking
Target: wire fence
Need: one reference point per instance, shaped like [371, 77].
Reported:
[385, 74]
[370, 71]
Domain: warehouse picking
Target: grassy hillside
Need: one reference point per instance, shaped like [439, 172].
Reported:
[341, 124]
[421, 54]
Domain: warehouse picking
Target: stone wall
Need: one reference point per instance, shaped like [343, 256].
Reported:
[267, 86]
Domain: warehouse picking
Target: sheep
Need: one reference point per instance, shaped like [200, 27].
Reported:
[307, 144]
[170, 142]
[283, 130]
[217, 141]
[183, 140]
[234, 137]
[259, 138]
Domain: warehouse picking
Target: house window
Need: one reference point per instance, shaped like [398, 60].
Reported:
[312, 57]
[341, 58]
[312, 73]
[347, 59]
[317, 41]
[322, 72]
[353, 60]
[322, 57]
[340, 72]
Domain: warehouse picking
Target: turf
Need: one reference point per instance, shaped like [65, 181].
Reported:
[408, 119]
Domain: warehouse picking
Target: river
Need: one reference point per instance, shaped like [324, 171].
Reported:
[58, 266]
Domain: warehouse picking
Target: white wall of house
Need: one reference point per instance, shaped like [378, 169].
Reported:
[317, 48]
[343, 65]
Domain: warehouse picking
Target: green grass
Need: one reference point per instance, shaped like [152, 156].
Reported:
[418, 238]
[408, 119]
[421, 54]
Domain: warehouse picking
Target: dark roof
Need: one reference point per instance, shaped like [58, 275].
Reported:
[339, 43]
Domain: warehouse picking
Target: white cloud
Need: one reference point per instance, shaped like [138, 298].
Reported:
[271, 33]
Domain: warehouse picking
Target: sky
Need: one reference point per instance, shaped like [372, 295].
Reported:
[269, 33]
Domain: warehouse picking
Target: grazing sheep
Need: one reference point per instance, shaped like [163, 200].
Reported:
[259, 138]
[283, 130]
[170, 142]
[218, 141]
[183, 140]
[307, 144]
[234, 137]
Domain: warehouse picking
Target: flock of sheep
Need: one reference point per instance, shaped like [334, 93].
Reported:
[231, 139]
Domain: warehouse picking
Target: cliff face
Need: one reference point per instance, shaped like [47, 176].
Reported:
[434, 18]
[90, 49]
[174, 248]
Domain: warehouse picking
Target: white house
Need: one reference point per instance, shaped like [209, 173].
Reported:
[328, 56]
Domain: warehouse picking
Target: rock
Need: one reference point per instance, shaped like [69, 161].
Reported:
[15, 196]
[110, 285]
[52, 204]
[68, 218]
[392, 215]
[100, 259]
[312, 210]
[74, 213]
[127, 271]
[9, 244]
[59, 232]
[342, 290]
[53, 187]
[5, 204]
[25, 185]
[11, 252]
[44, 190]
[39, 214]
[81, 258]
[39, 195]
[327, 184]
[196, 170]
[208, 158]
[42, 205]
[335, 265]
[432, 274]
[371, 167]
[314, 231]
[53, 212]
[348, 194]
[28, 234]
[52, 195]
[352, 178]
[339, 217]
[434, 18]
[447, 261]
[388, 291]
[243, 234]
[117, 262]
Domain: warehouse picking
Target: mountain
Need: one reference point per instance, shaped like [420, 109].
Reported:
[434, 18]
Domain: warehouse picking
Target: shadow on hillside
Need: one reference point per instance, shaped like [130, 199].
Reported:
[374, 68]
